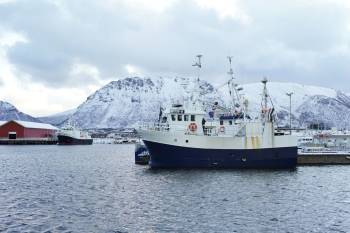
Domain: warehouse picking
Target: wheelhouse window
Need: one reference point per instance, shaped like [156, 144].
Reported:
[173, 118]
[185, 117]
[193, 117]
[230, 122]
[179, 117]
[221, 122]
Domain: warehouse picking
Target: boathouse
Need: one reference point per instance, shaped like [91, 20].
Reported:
[15, 129]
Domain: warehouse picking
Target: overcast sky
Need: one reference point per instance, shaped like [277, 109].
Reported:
[54, 53]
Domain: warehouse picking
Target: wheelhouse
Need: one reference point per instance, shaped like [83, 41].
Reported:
[179, 118]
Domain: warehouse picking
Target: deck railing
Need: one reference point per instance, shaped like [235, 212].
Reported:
[155, 126]
[207, 131]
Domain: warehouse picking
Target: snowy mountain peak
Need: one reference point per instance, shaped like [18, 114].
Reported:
[10, 112]
[310, 104]
[128, 101]
[5, 106]
[278, 92]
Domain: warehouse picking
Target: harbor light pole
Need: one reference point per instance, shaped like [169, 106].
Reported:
[290, 111]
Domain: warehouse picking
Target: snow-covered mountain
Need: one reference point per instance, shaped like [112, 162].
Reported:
[310, 104]
[59, 118]
[126, 102]
[10, 112]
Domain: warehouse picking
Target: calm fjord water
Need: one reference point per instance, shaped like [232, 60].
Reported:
[99, 189]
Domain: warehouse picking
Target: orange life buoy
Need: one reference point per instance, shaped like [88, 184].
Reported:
[192, 127]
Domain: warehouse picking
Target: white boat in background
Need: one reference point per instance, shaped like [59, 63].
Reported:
[324, 142]
[69, 135]
[314, 150]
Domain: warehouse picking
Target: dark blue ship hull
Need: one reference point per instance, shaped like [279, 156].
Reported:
[169, 156]
[66, 140]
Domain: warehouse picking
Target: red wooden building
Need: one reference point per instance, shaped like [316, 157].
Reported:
[26, 130]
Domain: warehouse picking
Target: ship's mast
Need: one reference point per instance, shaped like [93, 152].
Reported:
[266, 111]
[196, 91]
[185, 83]
[265, 94]
[230, 72]
[231, 83]
[199, 65]
[234, 90]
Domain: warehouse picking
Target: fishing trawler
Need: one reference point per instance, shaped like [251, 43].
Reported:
[69, 135]
[187, 137]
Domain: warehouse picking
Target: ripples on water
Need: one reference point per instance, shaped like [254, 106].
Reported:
[99, 189]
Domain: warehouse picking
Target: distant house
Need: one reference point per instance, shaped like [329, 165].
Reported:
[15, 129]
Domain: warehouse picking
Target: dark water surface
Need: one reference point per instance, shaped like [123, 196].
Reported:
[99, 189]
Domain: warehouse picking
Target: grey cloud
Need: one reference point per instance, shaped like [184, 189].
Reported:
[286, 41]
[301, 25]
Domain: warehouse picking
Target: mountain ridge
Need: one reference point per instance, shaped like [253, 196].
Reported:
[10, 112]
[126, 102]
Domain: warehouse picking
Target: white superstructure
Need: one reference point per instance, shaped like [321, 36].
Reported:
[73, 132]
[188, 133]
